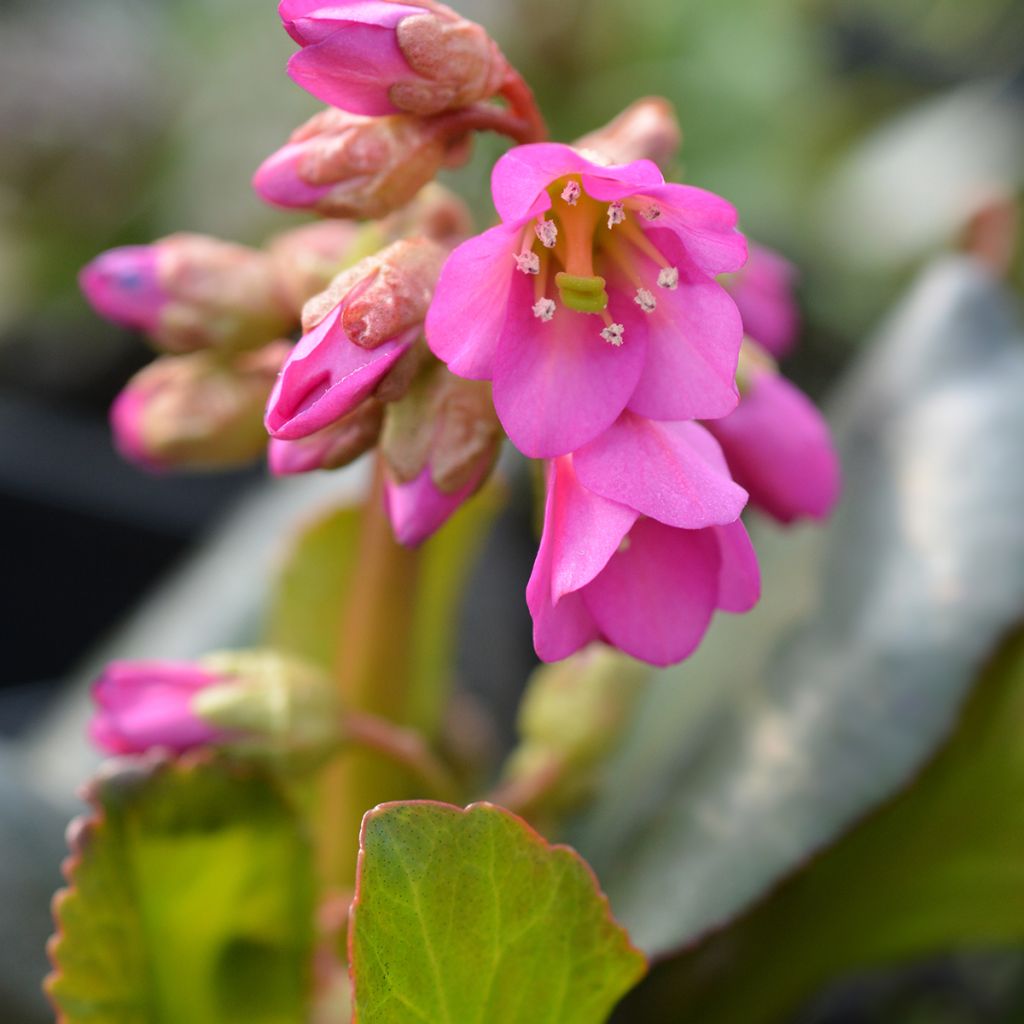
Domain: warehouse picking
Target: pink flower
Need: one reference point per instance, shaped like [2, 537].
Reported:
[594, 295]
[123, 286]
[641, 543]
[379, 57]
[779, 448]
[419, 509]
[763, 291]
[336, 445]
[143, 704]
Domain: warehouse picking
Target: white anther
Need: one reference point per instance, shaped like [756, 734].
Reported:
[616, 213]
[544, 309]
[668, 278]
[571, 193]
[614, 334]
[652, 212]
[547, 232]
[646, 300]
[528, 262]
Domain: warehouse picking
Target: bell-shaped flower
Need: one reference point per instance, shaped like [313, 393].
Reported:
[763, 291]
[360, 332]
[642, 542]
[596, 294]
[379, 57]
[778, 444]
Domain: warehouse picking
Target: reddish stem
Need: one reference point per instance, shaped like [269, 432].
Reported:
[523, 104]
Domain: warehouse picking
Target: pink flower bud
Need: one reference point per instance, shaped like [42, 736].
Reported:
[143, 704]
[763, 291]
[440, 444]
[646, 130]
[331, 448]
[345, 165]
[197, 411]
[190, 292]
[434, 213]
[123, 286]
[357, 333]
[378, 57]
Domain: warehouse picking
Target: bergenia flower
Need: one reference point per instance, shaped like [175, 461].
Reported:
[778, 445]
[419, 508]
[641, 543]
[335, 446]
[357, 333]
[123, 286]
[595, 294]
[379, 57]
[763, 291]
[144, 704]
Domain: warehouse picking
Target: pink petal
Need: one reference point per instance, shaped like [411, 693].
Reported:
[123, 286]
[779, 448]
[522, 175]
[470, 303]
[278, 180]
[557, 385]
[327, 376]
[126, 423]
[763, 291]
[656, 597]
[417, 510]
[695, 339]
[739, 578]
[672, 472]
[705, 224]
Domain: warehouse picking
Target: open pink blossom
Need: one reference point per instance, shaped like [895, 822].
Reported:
[779, 448]
[144, 704]
[380, 57]
[621, 561]
[123, 285]
[763, 291]
[595, 294]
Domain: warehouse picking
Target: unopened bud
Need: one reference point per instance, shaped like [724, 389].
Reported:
[363, 328]
[436, 213]
[440, 444]
[345, 165]
[333, 447]
[378, 57]
[646, 130]
[190, 292]
[765, 293]
[197, 411]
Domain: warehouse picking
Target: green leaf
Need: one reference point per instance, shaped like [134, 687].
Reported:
[190, 899]
[938, 868]
[470, 916]
[792, 722]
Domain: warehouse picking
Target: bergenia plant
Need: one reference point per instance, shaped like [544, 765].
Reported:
[295, 833]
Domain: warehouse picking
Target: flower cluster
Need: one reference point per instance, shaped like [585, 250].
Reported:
[610, 325]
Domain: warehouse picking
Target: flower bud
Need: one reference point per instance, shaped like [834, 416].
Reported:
[764, 293]
[440, 444]
[197, 411]
[646, 130]
[378, 57]
[345, 165]
[190, 292]
[357, 332]
[333, 447]
[434, 213]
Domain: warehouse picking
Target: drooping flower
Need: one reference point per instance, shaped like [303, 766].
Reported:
[378, 57]
[335, 446]
[594, 295]
[360, 331]
[642, 542]
[763, 291]
[778, 445]
[190, 292]
[144, 704]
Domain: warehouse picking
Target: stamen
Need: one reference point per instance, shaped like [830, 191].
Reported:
[571, 193]
[527, 262]
[616, 213]
[645, 300]
[614, 335]
[638, 237]
[652, 212]
[544, 309]
[668, 278]
[547, 232]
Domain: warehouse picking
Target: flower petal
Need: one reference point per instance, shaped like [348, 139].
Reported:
[695, 338]
[418, 509]
[779, 447]
[739, 578]
[763, 291]
[672, 472]
[278, 180]
[558, 385]
[655, 598]
[467, 315]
